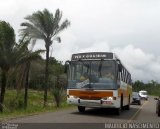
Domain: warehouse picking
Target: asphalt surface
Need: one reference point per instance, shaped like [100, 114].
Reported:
[93, 118]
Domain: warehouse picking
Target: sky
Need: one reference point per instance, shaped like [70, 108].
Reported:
[129, 28]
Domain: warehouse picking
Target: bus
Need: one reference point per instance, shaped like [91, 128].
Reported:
[98, 80]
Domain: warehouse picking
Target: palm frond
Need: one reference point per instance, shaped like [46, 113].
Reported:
[63, 26]
[28, 57]
[7, 43]
[36, 19]
[58, 39]
[33, 42]
[44, 25]
[32, 31]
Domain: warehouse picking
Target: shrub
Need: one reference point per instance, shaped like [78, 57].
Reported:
[58, 90]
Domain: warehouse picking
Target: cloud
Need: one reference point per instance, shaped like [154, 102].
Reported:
[97, 47]
[143, 66]
[63, 51]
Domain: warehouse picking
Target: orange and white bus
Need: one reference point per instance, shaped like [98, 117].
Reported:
[98, 79]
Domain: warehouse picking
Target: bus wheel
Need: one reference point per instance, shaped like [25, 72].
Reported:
[81, 109]
[118, 111]
[121, 104]
[128, 106]
[159, 112]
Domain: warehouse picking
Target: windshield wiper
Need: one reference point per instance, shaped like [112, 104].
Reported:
[87, 86]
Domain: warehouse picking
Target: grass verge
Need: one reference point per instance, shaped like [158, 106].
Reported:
[13, 104]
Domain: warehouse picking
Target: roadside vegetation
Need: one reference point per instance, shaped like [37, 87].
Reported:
[14, 105]
[29, 83]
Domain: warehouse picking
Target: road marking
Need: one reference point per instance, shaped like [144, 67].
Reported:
[137, 112]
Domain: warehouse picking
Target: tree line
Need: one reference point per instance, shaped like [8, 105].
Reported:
[18, 61]
[152, 87]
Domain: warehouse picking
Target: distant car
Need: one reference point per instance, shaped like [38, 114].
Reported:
[143, 94]
[158, 106]
[136, 98]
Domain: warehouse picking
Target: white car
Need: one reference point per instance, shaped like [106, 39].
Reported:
[143, 94]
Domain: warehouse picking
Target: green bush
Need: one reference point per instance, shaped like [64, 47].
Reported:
[14, 103]
[58, 90]
[58, 95]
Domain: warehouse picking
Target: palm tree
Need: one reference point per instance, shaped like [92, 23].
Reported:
[7, 56]
[43, 25]
[24, 61]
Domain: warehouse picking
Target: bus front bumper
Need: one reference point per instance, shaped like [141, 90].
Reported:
[93, 103]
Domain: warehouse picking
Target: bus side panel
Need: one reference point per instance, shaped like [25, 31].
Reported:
[125, 90]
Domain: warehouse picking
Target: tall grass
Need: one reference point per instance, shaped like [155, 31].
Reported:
[14, 105]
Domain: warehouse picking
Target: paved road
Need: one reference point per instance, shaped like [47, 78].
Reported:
[143, 113]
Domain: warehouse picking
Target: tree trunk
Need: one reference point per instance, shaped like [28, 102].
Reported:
[46, 74]
[3, 88]
[26, 86]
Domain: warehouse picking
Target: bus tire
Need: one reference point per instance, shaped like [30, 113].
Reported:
[158, 113]
[81, 108]
[118, 111]
[121, 103]
[128, 106]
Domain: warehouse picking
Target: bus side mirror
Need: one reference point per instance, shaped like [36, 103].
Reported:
[66, 66]
[120, 67]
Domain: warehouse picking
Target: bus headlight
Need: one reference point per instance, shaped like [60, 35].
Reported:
[71, 96]
[109, 98]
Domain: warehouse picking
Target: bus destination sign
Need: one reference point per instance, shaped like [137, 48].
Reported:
[95, 55]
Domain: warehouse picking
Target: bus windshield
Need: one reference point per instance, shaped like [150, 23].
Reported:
[92, 74]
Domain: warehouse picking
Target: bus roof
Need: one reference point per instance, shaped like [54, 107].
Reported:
[94, 56]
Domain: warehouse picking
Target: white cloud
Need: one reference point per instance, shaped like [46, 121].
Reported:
[143, 66]
[96, 47]
[63, 51]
